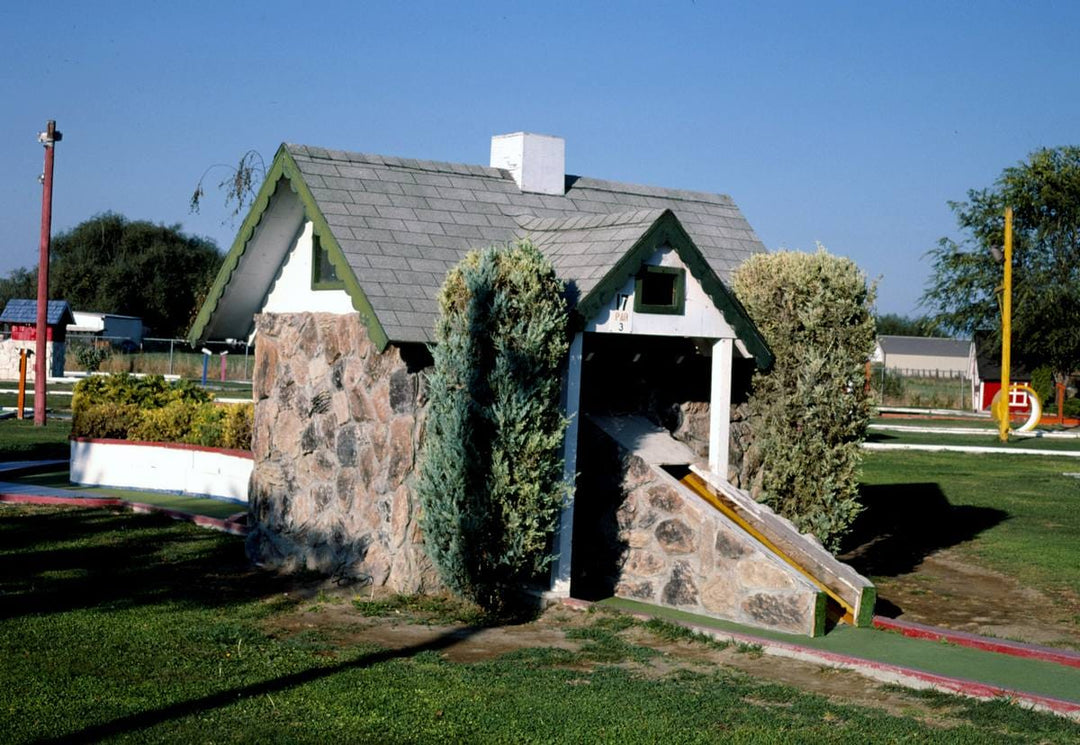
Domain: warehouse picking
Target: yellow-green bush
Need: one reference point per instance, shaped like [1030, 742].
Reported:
[236, 426]
[809, 413]
[151, 409]
[108, 420]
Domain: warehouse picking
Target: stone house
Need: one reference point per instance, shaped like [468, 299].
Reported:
[335, 273]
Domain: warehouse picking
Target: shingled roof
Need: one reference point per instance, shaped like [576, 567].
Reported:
[402, 224]
[24, 311]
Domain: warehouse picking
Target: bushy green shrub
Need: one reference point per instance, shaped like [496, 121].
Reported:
[809, 413]
[1071, 407]
[236, 426]
[168, 423]
[150, 408]
[1042, 381]
[106, 420]
[147, 392]
[491, 482]
[89, 355]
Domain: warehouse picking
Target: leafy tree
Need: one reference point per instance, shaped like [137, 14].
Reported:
[20, 283]
[491, 481]
[1044, 192]
[111, 264]
[809, 413]
[895, 324]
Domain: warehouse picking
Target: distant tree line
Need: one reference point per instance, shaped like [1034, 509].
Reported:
[110, 264]
[894, 324]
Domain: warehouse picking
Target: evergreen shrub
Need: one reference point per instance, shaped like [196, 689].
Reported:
[809, 413]
[1042, 382]
[491, 472]
[152, 409]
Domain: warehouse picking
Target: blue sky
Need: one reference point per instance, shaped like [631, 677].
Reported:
[851, 124]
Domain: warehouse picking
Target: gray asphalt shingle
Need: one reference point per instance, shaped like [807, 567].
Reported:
[426, 215]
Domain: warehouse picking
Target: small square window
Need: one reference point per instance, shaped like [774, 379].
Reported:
[660, 289]
[323, 272]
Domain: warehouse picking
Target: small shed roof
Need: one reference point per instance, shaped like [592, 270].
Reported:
[925, 346]
[24, 311]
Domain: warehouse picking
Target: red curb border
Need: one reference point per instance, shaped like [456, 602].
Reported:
[882, 671]
[985, 643]
[230, 525]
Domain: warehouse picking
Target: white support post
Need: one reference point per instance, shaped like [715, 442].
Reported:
[564, 535]
[720, 408]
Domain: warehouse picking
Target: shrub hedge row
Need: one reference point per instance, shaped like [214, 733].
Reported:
[125, 407]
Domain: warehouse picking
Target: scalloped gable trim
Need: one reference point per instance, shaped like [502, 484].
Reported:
[667, 230]
[284, 167]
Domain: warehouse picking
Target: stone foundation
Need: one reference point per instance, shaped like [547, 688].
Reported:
[657, 542]
[336, 433]
[9, 359]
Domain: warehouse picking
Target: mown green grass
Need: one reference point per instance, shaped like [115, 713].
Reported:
[1017, 515]
[133, 628]
[21, 440]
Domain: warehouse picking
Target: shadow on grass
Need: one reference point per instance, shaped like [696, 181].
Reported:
[904, 523]
[55, 560]
[143, 720]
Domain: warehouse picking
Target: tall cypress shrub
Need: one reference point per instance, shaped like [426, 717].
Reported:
[809, 413]
[491, 483]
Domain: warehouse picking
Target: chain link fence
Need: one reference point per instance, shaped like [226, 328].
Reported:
[223, 361]
[921, 388]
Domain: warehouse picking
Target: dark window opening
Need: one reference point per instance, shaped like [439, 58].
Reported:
[660, 289]
[323, 272]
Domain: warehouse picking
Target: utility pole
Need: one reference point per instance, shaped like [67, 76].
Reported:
[48, 138]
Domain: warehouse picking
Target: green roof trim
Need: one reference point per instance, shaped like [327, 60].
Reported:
[667, 230]
[285, 167]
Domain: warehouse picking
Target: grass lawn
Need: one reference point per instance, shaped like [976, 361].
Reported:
[135, 628]
[1015, 515]
[21, 440]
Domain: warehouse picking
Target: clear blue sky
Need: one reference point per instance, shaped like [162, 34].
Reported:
[851, 124]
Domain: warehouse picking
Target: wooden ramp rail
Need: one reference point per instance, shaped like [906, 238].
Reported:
[853, 594]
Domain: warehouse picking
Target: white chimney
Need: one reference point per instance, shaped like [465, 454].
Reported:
[537, 162]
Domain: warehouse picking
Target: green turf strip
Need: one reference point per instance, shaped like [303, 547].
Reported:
[193, 505]
[1032, 676]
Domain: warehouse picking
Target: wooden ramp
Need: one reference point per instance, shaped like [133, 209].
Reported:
[850, 596]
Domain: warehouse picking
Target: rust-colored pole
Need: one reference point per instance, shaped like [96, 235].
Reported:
[48, 138]
[22, 384]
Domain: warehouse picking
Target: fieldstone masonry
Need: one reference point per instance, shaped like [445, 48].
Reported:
[336, 433]
[9, 359]
[672, 548]
[745, 466]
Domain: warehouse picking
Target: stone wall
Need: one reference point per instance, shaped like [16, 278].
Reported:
[9, 359]
[336, 432]
[648, 538]
[690, 426]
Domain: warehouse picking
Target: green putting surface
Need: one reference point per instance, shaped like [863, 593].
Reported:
[58, 479]
[941, 658]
